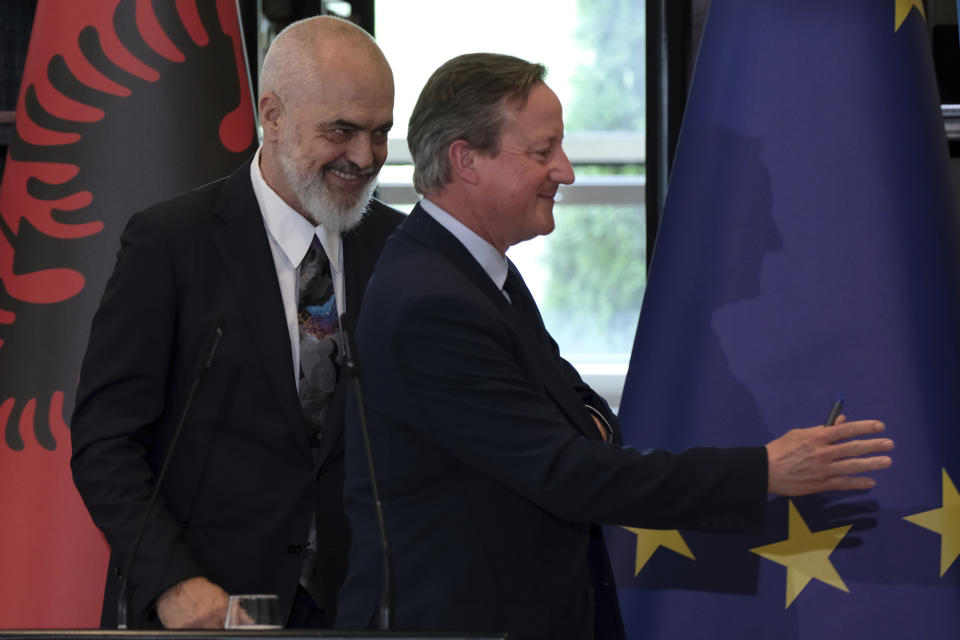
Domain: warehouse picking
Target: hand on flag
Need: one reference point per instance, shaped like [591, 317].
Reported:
[815, 459]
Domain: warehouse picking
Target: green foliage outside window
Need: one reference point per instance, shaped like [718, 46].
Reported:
[596, 268]
[596, 258]
[609, 93]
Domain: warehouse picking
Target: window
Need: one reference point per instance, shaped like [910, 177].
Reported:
[588, 275]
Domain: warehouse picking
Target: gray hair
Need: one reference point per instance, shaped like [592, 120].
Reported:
[464, 100]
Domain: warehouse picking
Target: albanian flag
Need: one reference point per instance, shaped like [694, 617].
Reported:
[123, 103]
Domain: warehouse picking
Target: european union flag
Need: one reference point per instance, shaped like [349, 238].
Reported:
[807, 250]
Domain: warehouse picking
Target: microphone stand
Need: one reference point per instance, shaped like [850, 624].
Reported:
[206, 360]
[352, 366]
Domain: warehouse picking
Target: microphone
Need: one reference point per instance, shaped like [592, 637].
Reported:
[352, 364]
[206, 359]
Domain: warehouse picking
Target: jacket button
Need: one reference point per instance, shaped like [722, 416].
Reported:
[294, 549]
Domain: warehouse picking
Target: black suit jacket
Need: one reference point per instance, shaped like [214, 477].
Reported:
[492, 472]
[239, 494]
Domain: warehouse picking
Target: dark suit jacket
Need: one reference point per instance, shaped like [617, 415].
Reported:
[492, 473]
[238, 497]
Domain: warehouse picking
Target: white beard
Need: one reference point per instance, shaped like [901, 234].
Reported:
[318, 204]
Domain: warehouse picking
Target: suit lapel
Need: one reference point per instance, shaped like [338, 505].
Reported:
[242, 243]
[360, 253]
[534, 351]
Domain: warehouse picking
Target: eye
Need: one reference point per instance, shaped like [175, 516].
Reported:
[338, 134]
[541, 154]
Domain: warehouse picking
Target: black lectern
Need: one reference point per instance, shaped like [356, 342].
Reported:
[278, 634]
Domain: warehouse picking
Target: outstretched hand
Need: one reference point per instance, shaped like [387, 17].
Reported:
[816, 459]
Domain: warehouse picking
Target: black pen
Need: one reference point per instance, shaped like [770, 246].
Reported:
[834, 412]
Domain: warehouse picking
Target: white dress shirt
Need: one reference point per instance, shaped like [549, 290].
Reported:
[290, 235]
[492, 261]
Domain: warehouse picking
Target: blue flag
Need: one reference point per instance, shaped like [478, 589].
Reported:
[807, 251]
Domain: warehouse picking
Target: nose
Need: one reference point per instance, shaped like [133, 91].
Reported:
[562, 170]
[363, 151]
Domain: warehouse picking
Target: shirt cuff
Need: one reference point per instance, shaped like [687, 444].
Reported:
[607, 429]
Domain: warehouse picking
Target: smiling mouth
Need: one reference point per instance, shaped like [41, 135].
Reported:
[351, 177]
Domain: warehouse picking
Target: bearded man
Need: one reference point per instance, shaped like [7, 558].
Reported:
[274, 255]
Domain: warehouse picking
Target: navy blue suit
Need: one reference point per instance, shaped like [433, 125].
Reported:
[493, 474]
[242, 486]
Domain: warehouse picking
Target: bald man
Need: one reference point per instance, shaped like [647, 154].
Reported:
[275, 253]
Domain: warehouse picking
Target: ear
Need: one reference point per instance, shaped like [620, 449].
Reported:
[271, 110]
[463, 159]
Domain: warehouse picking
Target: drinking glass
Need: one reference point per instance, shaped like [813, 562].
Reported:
[253, 611]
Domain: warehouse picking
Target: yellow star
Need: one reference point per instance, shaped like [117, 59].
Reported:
[945, 521]
[649, 540]
[805, 554]
[903, 8]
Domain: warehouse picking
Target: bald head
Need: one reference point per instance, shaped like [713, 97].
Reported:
[326, 106]
[310, 53]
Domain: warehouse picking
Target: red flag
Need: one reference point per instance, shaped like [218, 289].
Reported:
[123, 103]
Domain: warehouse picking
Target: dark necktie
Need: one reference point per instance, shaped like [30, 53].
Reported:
[319, 326]
[320, 352]
[517, 291]
[529, 316]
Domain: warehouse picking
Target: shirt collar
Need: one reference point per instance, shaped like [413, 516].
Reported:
[292, 232]
[482, 251]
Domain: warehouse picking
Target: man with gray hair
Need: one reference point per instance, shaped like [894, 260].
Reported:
[273, 255]
[497, 463]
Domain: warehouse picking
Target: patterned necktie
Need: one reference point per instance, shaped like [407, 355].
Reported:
[320, 351]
